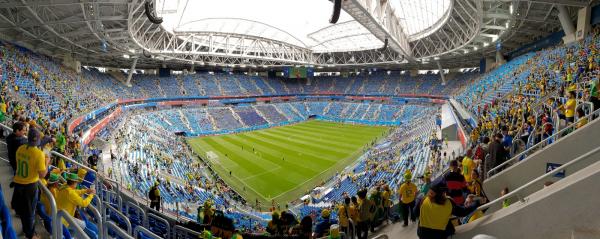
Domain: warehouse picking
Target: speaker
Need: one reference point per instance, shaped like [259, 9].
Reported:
[337, 7]
[146, 54]
[149, 7]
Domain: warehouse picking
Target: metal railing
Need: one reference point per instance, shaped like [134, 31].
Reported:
[146, 232]
[180, 232]
[161, 220]
[98, 217]
[519, 193]
[56, 224]
[118, 213]
[105, 196]
[108, 197]
[553, 138]
[112, 227]
[381, 236]
[139, 212]
[73, 227]
[55, 214]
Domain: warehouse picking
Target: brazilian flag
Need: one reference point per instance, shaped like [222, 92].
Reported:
[2, 116]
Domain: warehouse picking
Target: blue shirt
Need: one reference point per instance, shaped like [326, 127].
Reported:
[507, 141]
[323, 226]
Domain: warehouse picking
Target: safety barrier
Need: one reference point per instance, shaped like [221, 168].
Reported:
[180, 232]
[522, 192]
[156, 219]
[553, 138]
[139, 231]
[56, 224]
[73, 226]
[106, 214]
[112, 227]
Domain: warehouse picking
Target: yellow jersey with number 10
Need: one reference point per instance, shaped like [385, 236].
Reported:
[30, 161]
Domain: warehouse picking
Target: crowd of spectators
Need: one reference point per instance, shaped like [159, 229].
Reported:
[39, 97]
[554, 88]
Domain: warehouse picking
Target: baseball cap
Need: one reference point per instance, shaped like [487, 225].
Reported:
[72, 177]
[53, 178]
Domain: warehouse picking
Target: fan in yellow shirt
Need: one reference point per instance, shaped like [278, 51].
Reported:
[467, 166]
[44, 207]
[31, 166]
[69, 199]
[344, 214]
[569, 107]
[408, 193]
[3, 107]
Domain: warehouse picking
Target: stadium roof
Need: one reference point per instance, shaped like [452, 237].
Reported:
[272, 33]
[301, 23]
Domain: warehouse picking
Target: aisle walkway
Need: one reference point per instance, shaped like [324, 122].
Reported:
[5, 180]
[396, 231]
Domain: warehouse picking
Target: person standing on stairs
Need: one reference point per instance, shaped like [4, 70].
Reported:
[31, 165]
[154, 196]
[408, 193]
[14, 140]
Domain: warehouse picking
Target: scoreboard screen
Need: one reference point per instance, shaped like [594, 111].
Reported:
[298, 72]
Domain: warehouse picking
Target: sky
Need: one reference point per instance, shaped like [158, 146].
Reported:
[299, 18]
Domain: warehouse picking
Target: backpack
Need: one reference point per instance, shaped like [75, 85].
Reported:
[152, 194]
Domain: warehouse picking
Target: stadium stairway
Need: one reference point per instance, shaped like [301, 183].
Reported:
[398, 231]
[528, 167]
[5, 169]
[5, 180]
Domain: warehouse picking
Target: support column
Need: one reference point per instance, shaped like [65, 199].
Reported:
[441, 72]
[490, 64]
[131, 72]
[583, 22]
[499, 58]
[193, 68]
[71, 63]
[566, 23]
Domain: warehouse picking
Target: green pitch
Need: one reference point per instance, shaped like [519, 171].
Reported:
[283, 163]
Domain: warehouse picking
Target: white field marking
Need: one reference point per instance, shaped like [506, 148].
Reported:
[300, 184]
[263, 173]
[240, 180]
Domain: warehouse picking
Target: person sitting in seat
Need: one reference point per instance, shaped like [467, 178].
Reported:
[69, 199]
